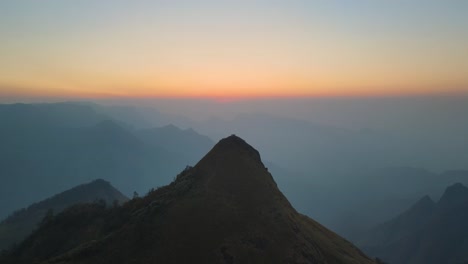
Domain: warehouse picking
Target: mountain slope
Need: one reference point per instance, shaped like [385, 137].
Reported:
[226, 209]
[53, 147]
[20, 224]
[427, 233]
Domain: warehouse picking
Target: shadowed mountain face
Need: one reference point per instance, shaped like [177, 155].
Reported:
[20, 224]
[226, 209]
[427, 233]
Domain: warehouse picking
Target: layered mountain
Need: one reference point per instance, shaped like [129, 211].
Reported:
[350, 168]
[225, 209]
[21, 223]
[142, 117]
[427, 233]
[375, 196]
[187, 142]
[46, 148]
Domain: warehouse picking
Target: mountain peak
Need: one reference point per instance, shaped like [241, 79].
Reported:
[234, 166]
[426, 201]
[100, 182]
[225, 209]
[455, 190]
[235, 143]
[456, 187]
[454, 195]
[233, 139]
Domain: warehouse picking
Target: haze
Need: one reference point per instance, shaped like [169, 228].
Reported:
[357, 109]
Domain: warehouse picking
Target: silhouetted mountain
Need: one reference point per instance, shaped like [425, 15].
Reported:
[346, 167]
[226, 209]
[56, 146]
[21, 223]
[46, 148]
[427, 233]
[454, 197]
[402, 226]
[361, 200]
[375, 196]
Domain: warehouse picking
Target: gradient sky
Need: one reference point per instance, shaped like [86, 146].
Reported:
[93, 48]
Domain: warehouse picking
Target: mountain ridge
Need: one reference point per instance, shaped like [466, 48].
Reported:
[56, 146]
[426, 233]
[21, 223]
[225, 209]
[454, 195]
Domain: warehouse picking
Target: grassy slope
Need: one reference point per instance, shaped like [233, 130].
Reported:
[227, 209]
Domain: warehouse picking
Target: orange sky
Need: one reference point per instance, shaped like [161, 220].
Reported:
[236, 49]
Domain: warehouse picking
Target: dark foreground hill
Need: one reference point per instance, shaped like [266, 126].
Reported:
[226, 209]
[427, 233]
[20, 224]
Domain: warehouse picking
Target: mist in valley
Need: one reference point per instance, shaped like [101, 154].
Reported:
[350, 163]
[234, 132]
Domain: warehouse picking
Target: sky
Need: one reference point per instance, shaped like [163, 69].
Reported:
[229, 49]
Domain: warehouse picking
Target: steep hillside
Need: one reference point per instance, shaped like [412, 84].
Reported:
[226, 209]
[20, 224]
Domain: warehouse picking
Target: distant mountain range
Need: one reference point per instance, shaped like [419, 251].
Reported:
[331, 174]
[46, 148]
[21, 223]
[225, 209]
[360, 200]
[378, 195]
[427, 233]
[328, 151]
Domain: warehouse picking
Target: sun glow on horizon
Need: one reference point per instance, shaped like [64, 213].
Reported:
[232, 49]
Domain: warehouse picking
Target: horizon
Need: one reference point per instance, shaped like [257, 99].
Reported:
[45, 98]
[345, 113]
